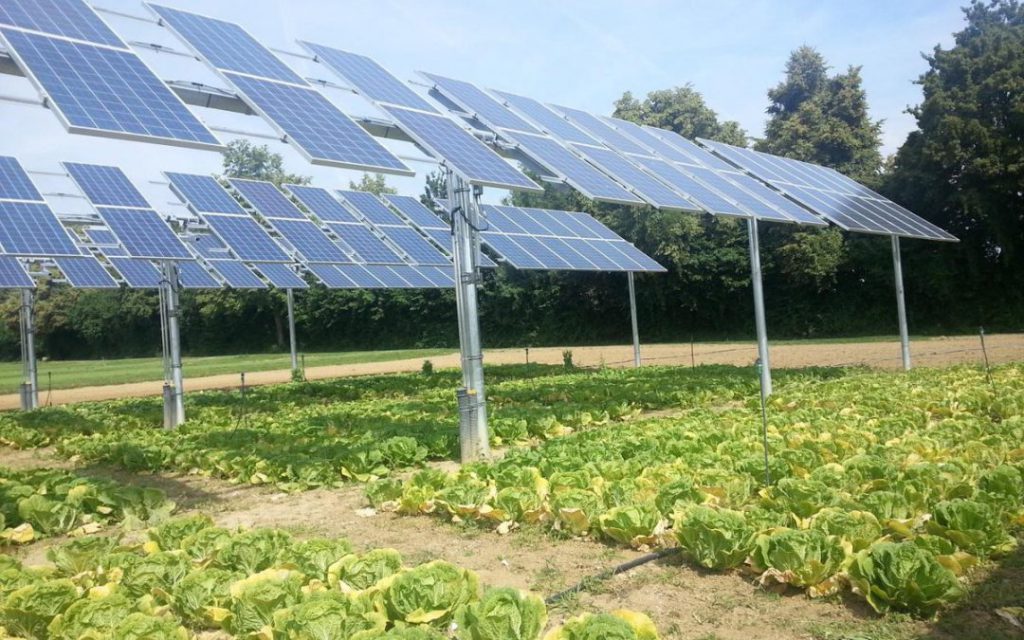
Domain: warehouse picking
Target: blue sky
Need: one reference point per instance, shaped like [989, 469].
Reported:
[573, 52]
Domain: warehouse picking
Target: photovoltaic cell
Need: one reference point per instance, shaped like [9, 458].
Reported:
[645, 139]
[368, 77]
[595, 127]
[246, 238]
[237, 275]
[445, 139]
[204, 194]
[267, 199]
[388, 276]
[282, 276]
[105, 186]
[31, 229]
[415, 246]
[85, 273]
[693, 152]
[331, 277]
[321, 203]
[511, 251]
[309, 240]
[104, 91]
[370, 207]
[775, 199]
[193, 276]
[568, 166]
[366, 245]
[68, 18]
[137, 273]
[700, 193]
[546, 119]
[473, 100]
[209, 246]
[360, 276]
[15, 183]
[415, 211]
[441, 276]
[13, 274]
[144, 234]
[651, 189]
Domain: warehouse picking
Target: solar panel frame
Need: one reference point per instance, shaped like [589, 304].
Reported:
[137, 273]
[281, 275]
[479, 104]
[651, 189]
[144, 234]
[105, 185]
[85, 272]
[85, 85]
[15, 184]
[70, 19]
[13, 274]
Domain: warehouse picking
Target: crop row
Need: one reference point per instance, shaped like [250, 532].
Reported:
[892, 485]
[193, 577]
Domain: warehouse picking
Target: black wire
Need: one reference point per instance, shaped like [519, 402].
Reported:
[585, 583]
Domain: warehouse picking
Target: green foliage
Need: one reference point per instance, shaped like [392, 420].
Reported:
[503, 614]
[618, 625]
[803, 558]
[29, 610]
[375, 184]
[430, 593]
[428, 368]
[903, 576]
[243, 159]
[681, 109]
[714, 538]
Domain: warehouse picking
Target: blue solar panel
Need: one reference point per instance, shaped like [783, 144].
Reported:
[595, 127]
[747, 200]
[15, 183]
[85, 273]
[105, 186]
[360, 276]
[267, 199]
[415, 211]
[323, 133]
[331, 277]
[193, 276]
[13, 274]
[144, 234]
[565, 164]
[643, 137]
[204, 194]
[415, 277]
[237, 275]
[587, 226]
[445, 139]
[550, 258]
[309, 240]
[31, 229]
[321, 203]
[547, 119]
[474, 101]
[511, 251]
[525, 221]
[106, 92]
[370, 207]
[246, 238]
[210, 246]
[282, 276]
[697, 155]
[368, 77]
[442, 277]
[226, 45]
[498, 220]
[137, 273]
[590, 250]
[711, 200]
[636, 255]
[367, 245]
[388, 276]
[415, 246]
[651, 189]
[102, 236]
[68, 18]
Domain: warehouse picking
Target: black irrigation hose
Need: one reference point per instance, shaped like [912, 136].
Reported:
[583, 584]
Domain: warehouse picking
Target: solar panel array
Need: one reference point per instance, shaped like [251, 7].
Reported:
[847, 203]
[317, 128]
[92, 81]
[430, 224]
[86, 272]
[13, 274]
[28, 227]
[137, 272]
[437, 134]
[395, 229]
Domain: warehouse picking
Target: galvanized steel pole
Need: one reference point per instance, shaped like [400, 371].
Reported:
[174, 341]
[901, 306]
[632, 315]
[291, 332]
[759, 319]
[28, 347]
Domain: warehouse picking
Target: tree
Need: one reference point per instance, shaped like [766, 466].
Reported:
[243, 159]
[375, 184]
[681, 109]
[822, 119]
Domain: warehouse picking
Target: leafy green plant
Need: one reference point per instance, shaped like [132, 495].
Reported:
[803, 558]
[903, 576]
[502, 614]
[714, 538]
[430, 593]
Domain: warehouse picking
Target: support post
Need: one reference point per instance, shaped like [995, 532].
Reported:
[901, 306]
[465, 224]
[632, 315]
[759, 319]
[30, 384]
[291, 333]
[174, 341]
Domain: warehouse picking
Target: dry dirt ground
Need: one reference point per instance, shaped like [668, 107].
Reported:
[881, 354]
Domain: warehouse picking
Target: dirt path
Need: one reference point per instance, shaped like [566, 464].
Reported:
[930, 352]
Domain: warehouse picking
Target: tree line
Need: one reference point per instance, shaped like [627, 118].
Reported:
[962, 168]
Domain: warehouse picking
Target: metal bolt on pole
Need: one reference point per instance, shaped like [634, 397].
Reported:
[901, 306]
[759, 319]
[632, 315]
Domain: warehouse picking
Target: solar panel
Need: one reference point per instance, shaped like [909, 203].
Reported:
[137, 273]
[575, 171]
[368, 77]
[102, 236]
[321, 203]
[645, 185]
[31, 229]
[246, 238]
[511, 251]
[546, 119]
[282, 276]
[105, 186]
[364, 243]
[226, 45]
[331, 277]
[68, 18]
[598, 129]
[442, 277]
[474, 101]
[817, 189]
[444, 139]
[267, 199]
[237, 275]
[204, 194]
[369, 206]
[144, 234]
[360, 275]
[100, 91]
[389, 276]
[209, 246]
[775, 199]
[310, 241]
[15, 183]
[415, 211]
[85, 273]
[194, 276]
[13, 274]
[641, 136]
[692, 154]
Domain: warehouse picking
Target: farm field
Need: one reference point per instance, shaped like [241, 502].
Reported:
[907, 487]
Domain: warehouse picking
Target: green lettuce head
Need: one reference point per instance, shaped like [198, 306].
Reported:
[714, 538]
[430, 593]
[502, 614]
[903, 576]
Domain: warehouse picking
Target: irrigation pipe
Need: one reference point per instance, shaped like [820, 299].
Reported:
[583, 584]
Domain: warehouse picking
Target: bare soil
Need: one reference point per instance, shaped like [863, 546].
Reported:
[933, 352]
